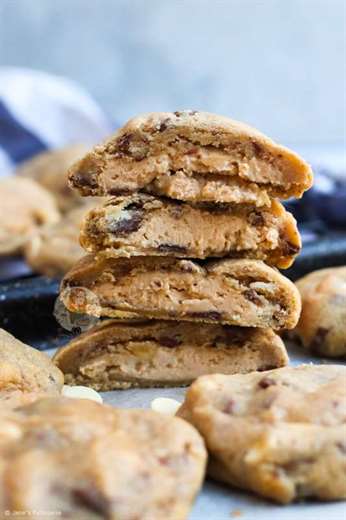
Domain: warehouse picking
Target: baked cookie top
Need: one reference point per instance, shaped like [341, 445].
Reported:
[55, 248]
[25, 373]
[92, 461]
[120, 354]
[25, 206]
[322, 324]
[193, 156]
[236, 292]
[50, 168]
[279, 433]
[142, 224]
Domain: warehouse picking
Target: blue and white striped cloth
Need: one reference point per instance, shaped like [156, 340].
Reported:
[39, 111]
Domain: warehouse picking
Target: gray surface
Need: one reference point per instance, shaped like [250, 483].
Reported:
[217, 502]
[277, 64]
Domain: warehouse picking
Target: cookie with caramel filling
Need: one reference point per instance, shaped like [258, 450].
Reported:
[236, 292]
[192, 156]
[120, 354]
[142, 224]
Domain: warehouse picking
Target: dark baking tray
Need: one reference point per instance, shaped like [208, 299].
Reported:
[27, 303]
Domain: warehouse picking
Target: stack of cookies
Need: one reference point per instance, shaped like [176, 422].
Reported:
[184, 257]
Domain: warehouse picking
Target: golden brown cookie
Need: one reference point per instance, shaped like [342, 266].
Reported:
[24, 207]
[236, 292]
[25, 373]
[55, 248]
[50, 170]
[280, 434]
[145, 225]
[165, 353]
[88, 461]
[192, 156]
[322, 324]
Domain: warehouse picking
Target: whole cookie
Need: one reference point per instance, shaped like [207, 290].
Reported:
[322, 324]
[124, 354]
[281, 433]
[50, 170]
[25, 207]
[192, 156]
[25, 373]
[54, 249]
[87, 461]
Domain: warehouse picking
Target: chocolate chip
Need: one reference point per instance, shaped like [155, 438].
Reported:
[290, 249]
[92, 499]
[229, 406]
[192, 151]
[265, 382]
[232, 336]
[123, 143]
[84, 179]
[172, 248]
[163, 125]
[125, 226]
[256, 219]
[213, 207]
[169, 341]
[117, 192]
[208, 315]
[134, 205]
[179, 113]
[252, 296]
[176, 211]
[318, 340]
[257, 149]
[342, 447]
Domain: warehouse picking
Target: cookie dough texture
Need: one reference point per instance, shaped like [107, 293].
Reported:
[322, 324]
[164, 353]
[54, 249]
[25, 206]
[280, 434]
[192, 156]
[25, 373]
[236, 292]
[142, 224]
[90, 462]
[50, 169]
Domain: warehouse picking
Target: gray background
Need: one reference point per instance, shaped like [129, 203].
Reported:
[277, 64]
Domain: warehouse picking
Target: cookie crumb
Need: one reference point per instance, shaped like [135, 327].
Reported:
[236, 513]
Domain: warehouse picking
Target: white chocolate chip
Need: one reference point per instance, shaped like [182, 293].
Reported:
[165, 405]
[81, 392]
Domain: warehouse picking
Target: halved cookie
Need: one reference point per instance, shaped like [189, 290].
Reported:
[89, 461]
[237, 292]
[25, 373]
[192, 156]
[165, 353]
[25, 207]
[322, 324]
[280, 433]
[141, 224]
